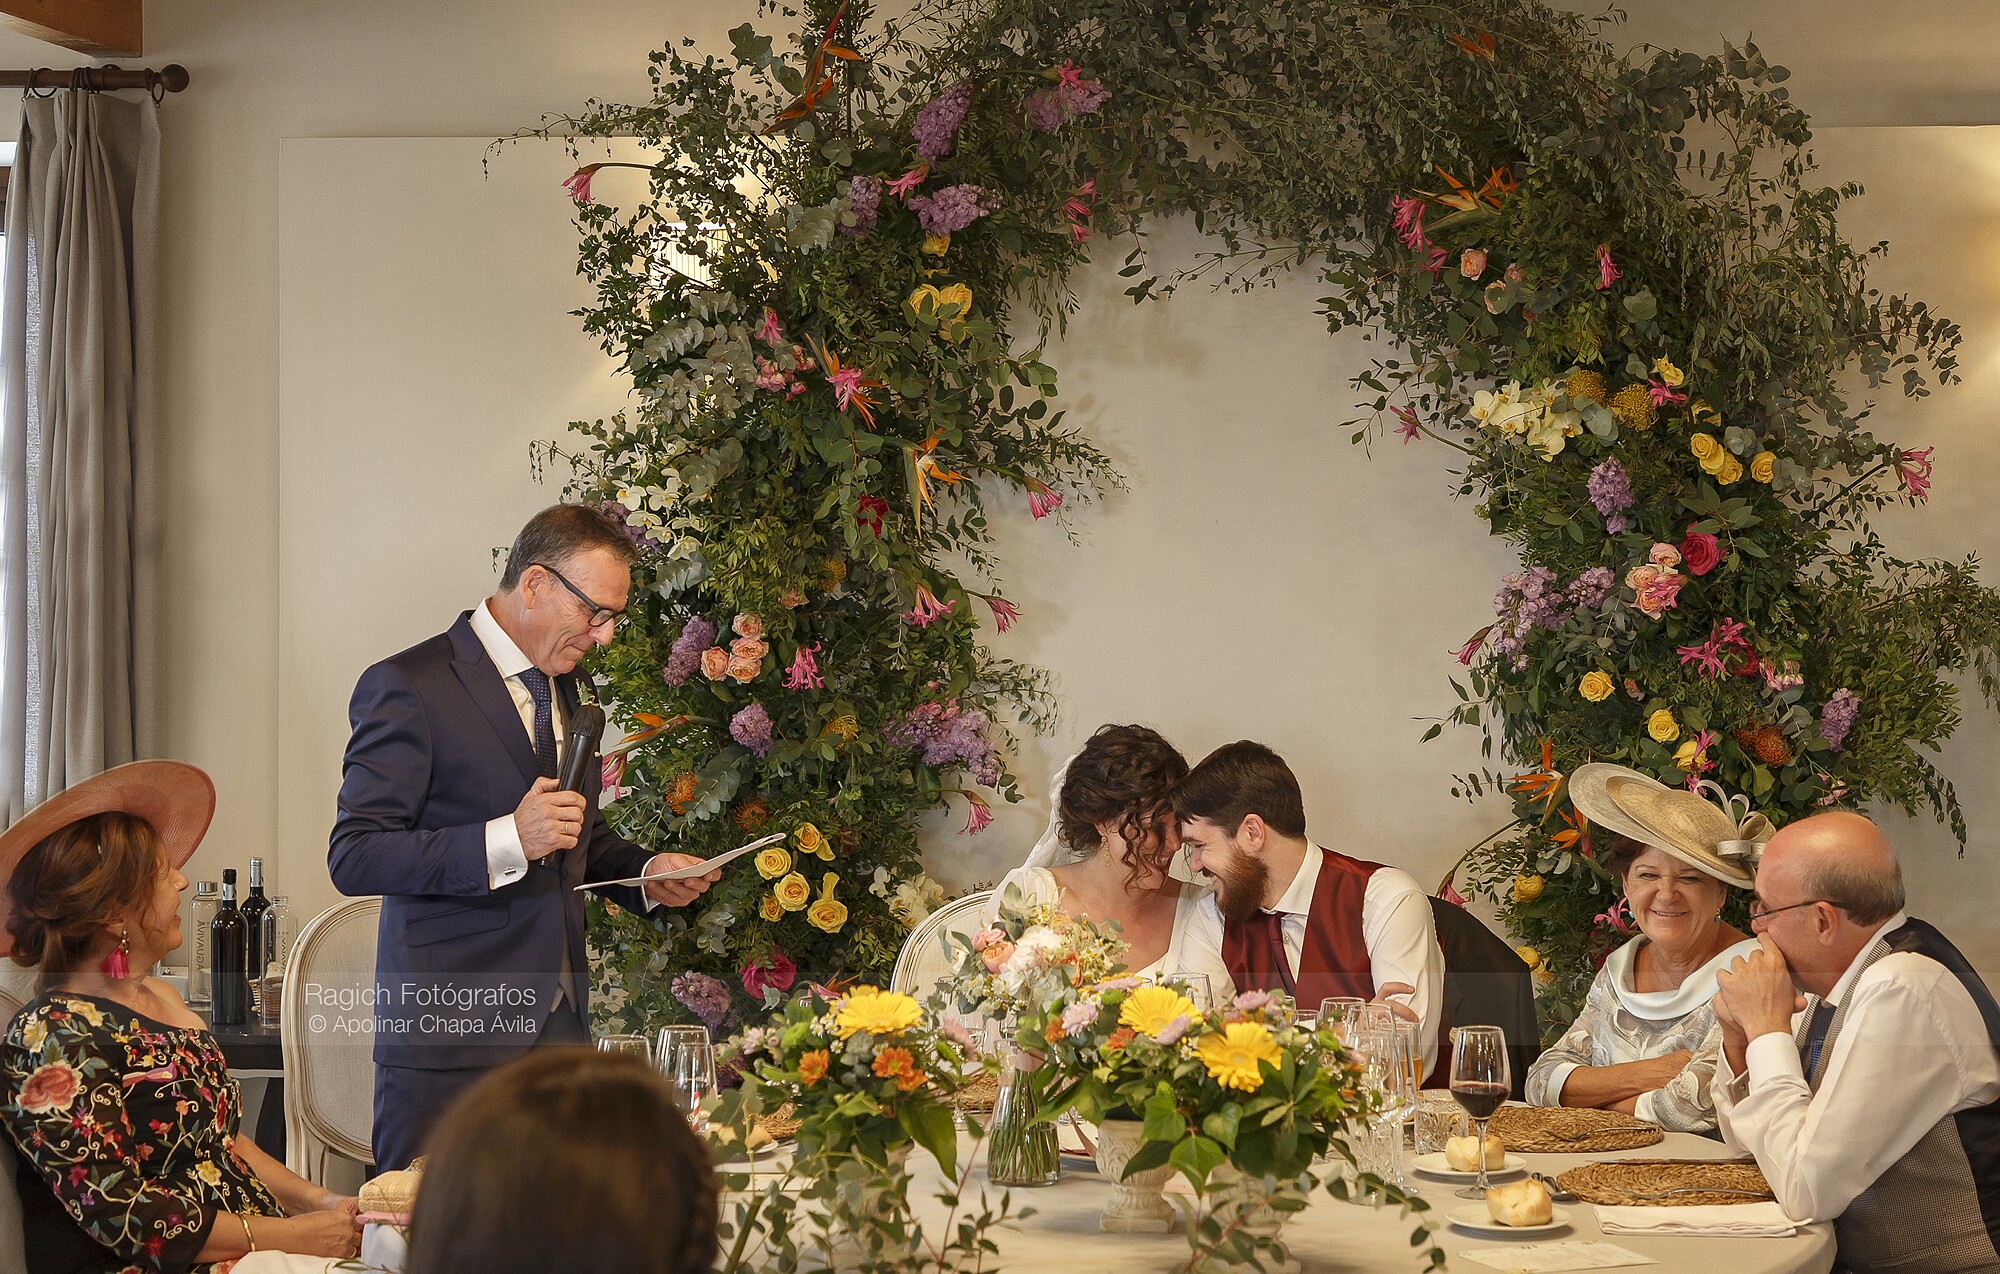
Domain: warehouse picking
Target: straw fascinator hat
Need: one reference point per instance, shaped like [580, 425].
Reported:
[1719, 836]
[174, 798]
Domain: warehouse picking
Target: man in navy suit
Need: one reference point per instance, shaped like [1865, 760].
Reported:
[449, 808]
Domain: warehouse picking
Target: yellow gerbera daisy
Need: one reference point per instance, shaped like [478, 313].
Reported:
[876, 1012]
[1233, 1056]
[1150, 1009]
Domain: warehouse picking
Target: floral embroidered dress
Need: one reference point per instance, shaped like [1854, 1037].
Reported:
[122, 1127]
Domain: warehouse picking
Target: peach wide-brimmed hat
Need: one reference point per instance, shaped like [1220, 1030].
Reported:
[1721, 837]
[176, 799]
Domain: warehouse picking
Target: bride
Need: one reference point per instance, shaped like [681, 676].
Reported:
[1109, 812]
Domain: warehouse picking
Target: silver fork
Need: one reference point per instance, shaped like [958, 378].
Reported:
[1556, 1192]
[1668, 1194]
[1588, 1133]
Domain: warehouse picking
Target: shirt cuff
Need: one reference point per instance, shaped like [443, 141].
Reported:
[1552, 1083]
[1774, 1055]
[651, 902]
[1643, 1108]
[505, 861]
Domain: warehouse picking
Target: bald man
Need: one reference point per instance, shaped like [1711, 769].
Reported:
[1877, 1100]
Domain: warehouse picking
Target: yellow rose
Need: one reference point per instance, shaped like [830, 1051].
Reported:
[829, 913]
[1762, 464]
[1709, 452]
[1703, 414]
[1732, 469]
[1527, 888]
[1662, 726]
[771, 910]
[1235, 1054]
[1596, 686]
[1529, 956]
[1687, 756]
[936, 244]
[793, 892]
[958, 294]
[773, 862]
[812, 841]
[1149, 1009]
[1667, 372]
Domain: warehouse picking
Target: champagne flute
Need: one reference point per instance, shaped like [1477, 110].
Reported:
[1480, 1081]
[635, 1045]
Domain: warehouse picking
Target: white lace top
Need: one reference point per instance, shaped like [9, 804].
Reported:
[1031, 885]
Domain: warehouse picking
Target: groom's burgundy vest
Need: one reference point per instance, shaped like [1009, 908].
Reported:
[1334, 960]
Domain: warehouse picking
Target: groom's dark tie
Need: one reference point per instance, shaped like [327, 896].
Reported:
[1271, 940]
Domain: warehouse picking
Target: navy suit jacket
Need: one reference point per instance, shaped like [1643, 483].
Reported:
[465, 974]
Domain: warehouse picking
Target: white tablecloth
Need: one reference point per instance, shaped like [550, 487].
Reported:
[1328, 1236]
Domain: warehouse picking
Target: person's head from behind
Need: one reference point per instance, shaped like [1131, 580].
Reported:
[98, 884]
[1236, 807]
[565, 585]
[1825, 885]
[565, 1159]
[1114, 801]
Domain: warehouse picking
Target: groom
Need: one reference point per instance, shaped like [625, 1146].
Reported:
[1289, 916]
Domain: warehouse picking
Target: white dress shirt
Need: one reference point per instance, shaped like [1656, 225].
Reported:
[1396, 928]
[1911, 1050]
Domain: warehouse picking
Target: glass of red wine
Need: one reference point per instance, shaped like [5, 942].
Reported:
[1480, 1082]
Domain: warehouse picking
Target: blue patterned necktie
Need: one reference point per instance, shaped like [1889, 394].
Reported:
[537, 683]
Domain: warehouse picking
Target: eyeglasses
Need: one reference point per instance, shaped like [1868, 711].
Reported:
[1755, 914]
[600, 614]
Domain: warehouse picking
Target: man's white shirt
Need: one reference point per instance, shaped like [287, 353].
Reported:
[1912, 1049]
[1396, 927]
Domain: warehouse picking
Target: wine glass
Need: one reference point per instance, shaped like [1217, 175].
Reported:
[635, 1045]
[676, 1043]
[1338, 1013]
[1480, 1081]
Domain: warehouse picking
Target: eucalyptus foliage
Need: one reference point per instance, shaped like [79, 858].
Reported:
[1574, 257]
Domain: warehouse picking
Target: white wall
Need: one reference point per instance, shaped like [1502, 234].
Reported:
[1261, 577]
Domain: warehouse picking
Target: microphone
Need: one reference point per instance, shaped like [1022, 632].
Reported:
[586, 729]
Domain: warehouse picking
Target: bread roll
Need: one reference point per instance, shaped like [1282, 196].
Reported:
[1521, 1203]
[391, 1191]
[1460, 1152]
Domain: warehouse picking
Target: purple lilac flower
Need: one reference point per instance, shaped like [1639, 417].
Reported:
[1046, 110]
[641, 538]
[951, 209]
[705, 997]
[752, 728]
[1611, 492]
[1838, 716]
[1527, 600]
[1589, 589]
[947, 735]
[864, 196]
[936, 126]
[1081, 96]
[685, 657]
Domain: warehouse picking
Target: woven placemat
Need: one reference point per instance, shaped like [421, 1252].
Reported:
[778, 1125]
[980, 1094]
[1561, 1130]
[1630, 1180]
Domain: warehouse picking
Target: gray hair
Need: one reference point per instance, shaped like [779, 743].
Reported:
[560, 532]
[1866, 892]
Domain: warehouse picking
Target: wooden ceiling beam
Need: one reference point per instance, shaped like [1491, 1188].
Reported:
[101, 28]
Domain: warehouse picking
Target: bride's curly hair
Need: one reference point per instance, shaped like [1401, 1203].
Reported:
[1124, 775]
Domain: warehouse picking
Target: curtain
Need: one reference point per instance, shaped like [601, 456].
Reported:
[77, 533]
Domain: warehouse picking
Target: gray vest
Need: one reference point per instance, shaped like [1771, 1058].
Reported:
[1937, 1209]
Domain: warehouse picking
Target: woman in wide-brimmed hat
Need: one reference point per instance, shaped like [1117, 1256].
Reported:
[1645, 1042]
[114, 1096]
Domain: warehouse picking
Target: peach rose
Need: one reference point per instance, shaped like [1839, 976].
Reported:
[748, 648]
[715, 663]
[747, 625]
[996, 955]
[1664, 555]
[52, 1089]
[744, 670]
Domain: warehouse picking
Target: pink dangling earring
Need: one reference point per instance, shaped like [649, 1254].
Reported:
[118, 964]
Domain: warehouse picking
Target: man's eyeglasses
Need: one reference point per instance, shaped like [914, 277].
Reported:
[600, 614]
[1756, 914]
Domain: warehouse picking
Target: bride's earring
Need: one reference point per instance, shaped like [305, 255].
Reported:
[119, 963]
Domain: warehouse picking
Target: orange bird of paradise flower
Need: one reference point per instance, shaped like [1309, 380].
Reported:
[924, 466]
[1572, 830]
[818, 78]
[1479, 44]
[849, 385]
[1498, 182]
[1541, 785]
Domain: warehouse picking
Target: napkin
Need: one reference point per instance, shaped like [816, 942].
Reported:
[1727, 1220]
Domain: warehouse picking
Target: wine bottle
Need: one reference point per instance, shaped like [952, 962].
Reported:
[259, 924]
[229, 949]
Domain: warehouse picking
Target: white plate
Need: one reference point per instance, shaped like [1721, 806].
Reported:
[1436, 1165]
[1478, 1220]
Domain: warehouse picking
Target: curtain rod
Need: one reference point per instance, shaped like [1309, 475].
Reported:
[99, 79]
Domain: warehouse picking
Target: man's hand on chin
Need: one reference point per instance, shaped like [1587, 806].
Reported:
[1757, 992]
[677, 893]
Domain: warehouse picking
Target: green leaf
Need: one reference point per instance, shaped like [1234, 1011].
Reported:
[930, 1126]
[1196, 1157]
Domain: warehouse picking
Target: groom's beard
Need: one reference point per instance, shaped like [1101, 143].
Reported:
[1239, 891]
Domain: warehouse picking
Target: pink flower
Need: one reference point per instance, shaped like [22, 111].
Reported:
[1078, 208]
[1617, 917]
[1452, 896]
[979, 816]
[1172, 1032]
[1913, 468]
[1464, 654]
[954, 1030]
[846, 384]
[1701, 551]
[1043, 500]
[868, 512]
[805, 670]
[52, 1089]
[578, 182]
[928, 609]
[1657, 589]
[1434, 264]
[903, 185]
[1004, 612]
[1607, 273]
[778, 975]
[1472, 262]
[1409, 222]
[1664, 394]
[1079, 1017]
[1664, 555]
[986, 938]
[768, 331]
[1410, 429]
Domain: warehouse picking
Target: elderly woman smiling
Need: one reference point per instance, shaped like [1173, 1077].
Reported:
[1646, 1040]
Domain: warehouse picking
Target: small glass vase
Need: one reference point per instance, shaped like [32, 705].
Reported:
[1020, 1151]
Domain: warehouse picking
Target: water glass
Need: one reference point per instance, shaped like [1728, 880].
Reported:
[1338, 1012]
[1439, 1119]
[1197, 988]
[1387, 1050]
[635, 1045]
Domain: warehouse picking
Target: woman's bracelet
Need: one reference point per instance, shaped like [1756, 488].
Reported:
[248, 1237]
